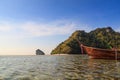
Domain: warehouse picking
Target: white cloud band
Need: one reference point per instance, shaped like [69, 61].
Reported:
[37, 29]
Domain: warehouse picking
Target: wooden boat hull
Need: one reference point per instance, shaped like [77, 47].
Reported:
[97, 53]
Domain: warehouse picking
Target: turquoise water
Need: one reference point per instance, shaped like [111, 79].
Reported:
[64, 67]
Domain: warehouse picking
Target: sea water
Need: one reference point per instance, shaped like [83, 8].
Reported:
[55, 67]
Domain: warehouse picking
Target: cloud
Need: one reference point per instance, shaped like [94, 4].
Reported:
[37, 29]
[5, 27]
[117, 29]
[48, 29]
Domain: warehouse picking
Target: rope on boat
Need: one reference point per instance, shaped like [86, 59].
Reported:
[81, 46]
[116, 54]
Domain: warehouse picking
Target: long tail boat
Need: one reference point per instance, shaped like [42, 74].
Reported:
[98, 53]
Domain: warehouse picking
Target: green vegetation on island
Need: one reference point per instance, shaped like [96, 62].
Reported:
[105, 38]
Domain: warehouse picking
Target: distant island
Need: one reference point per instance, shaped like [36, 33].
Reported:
[39, 52]
[105, 38]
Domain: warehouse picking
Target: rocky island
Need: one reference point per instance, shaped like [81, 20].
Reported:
[105, 38]
[39, 52]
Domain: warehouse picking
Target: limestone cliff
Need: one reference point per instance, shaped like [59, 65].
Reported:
[105, 38]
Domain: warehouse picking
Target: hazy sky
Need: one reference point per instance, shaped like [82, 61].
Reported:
[26, 25]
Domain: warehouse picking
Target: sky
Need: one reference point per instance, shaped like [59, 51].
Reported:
[27, 25]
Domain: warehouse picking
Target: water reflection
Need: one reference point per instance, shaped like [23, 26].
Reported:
[92, 69]
[67, 67]
[105, 69]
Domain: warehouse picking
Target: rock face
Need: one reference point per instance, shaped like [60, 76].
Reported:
[105, 38]
[39, 52]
